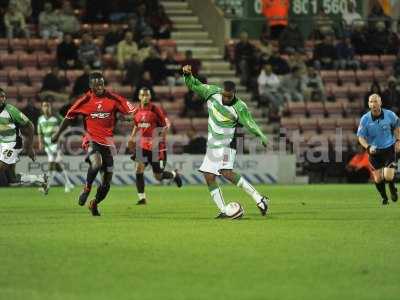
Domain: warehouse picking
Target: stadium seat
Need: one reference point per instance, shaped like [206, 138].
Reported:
[329, 76]
[12, 92]
[201, 124]
[290, 124]
[9, 60]
[163, 92]
[18, 77]
[327, 125]
[346, 124]
[181, 125]
[296, 108]
[4, 46]
[109, 61]
[387, 60]
[72, 75]
[338, 91]
[179, 91]
[18, 44]
[315, 109]
[37, 45]
[380, 75]
[4, 79]
[347, 76]
[365, 75]
[113, 76]
[334, 109]
[308, 124]
[36, 75]
[29, 92]
[45, 60]
[28, 60]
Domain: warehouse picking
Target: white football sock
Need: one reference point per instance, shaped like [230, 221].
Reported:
[52, 179]
[31, 179]
[66, 178]
[216, 195]
[142, 196]
[249, 189]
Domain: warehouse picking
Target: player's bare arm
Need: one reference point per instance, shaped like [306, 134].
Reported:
[64, 125]
[397, 136]
[365, 145]
[187, 70]
[28, 132]
[131, 140]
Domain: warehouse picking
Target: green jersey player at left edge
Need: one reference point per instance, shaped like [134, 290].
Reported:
[48, 124]
[13, 124]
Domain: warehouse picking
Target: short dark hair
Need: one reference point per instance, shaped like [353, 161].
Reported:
[229, 86]
[144, 89]
[95, 75]
[2, 90]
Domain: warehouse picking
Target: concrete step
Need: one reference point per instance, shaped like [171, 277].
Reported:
[219, 81]
[175, 4]
[178, 12]
[198, 50]
[194, 35]
[245, 96]
[217, 72]
[185, 20]
[192, 43]
[187, 27]
[204, 57]
[212, 65]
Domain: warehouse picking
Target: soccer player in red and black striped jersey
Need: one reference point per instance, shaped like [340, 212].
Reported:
[152, 124]
[99, 108]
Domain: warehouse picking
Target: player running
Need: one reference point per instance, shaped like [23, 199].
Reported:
[379, 133]
[99, 108]
[147, 119]
[13, 123]
[48, 124]
[226, 113]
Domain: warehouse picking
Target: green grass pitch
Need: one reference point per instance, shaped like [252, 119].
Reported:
[319, 242]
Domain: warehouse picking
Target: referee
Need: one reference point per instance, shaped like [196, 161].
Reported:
[379, 133]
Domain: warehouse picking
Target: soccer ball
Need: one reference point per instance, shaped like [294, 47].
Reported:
[234, 210]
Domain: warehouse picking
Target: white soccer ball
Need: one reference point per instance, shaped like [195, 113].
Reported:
[234, 210]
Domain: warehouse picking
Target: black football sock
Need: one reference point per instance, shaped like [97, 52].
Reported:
[381, 189]
[102, 192]
[167, 175]
[392, 186]
[91, 175]
[140, 183]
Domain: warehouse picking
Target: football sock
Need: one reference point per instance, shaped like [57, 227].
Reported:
[30, 179]
[66, 178]
[142, 196]
[168, 175]
[91, 175]
[392, 187]
[52, 177]
[216, 195]
[381, 189]
[102, 192]
[140, 183]
[249, 189]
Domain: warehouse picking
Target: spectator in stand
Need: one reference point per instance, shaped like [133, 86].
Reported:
[32, 112]
[194, 106]
[323, 25]
[396, 67]
[155, 66]
[196, 144]
[268, 88]
[67, 53]
[325, 56]
[291, 39]
[23, 6]
[279, 65]
[265, 51]
[378, 39]
[296, 59]
[393, 43]
[54, 85]
[359, 38]
[349, 17]
[88, 52]
[378, 15]
[173, 69]
[276, 14]
[147, 82]
[391, 96]
[145, 46]
[375, 88]
[111, 40]
[345, 55]
[81, 84]
[161, 24]
[313, 86]
[244, 58]
[49, 23]
[292, 86]
[193, 62]
[68, 22]
[14, 22]
[127, 51]
[141, 25]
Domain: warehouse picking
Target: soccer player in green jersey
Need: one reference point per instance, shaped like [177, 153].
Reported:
[13, 123]
[48, 125]
[226, 113]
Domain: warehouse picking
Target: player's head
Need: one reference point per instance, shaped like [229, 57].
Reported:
[3, 97]
[46, 106]
[375, 103]
[96, 83]
[144, 96]
[228, 94]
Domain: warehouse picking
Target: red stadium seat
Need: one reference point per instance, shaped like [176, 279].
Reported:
[35, 45]
[18, 77]
[365, 75]
[179, 91]
[346, 124]
[4, 46]
[334, 109]
[329, 76]
[163, 92]
[315, 108]
[36, 75]
[201, 124]
[327, 125]
[181, 125]
[29, 92]
[4, 79]
[12, 92]
[19, 44]
[113, 76]
[28, 60]
[9, 60]
[347, 75]
[308, 124]
[72, 75]
[296, 108]
[45, 60]
[109, 61]
[290, 124]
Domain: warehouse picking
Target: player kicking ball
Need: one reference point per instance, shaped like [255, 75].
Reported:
[152, 125]
[98, 108]
[379, 134]
[226, 113]
[48, 124]
[13, 123]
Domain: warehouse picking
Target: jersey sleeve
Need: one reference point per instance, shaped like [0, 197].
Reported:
[203, 90]
[17, 116]
[395, 121]
[362, 128]
[161, 116]
[78, 108]
[246, 119]
[124, 106]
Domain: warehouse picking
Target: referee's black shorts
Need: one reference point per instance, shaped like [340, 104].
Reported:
[383, 158]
